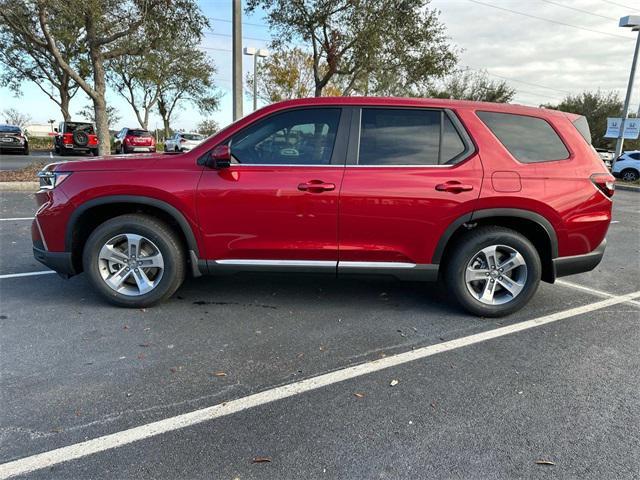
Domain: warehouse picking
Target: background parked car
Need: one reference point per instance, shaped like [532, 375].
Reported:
[74, 137]
[627, 166]
[607, 156]
[183, 142]
[130, 140]
[13, 138]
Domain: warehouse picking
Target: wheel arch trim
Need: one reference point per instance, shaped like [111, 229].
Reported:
[185, 227]
[496, 212]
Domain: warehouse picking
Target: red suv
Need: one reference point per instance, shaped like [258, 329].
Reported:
[134, 140]
[72, 137]
[492, 198]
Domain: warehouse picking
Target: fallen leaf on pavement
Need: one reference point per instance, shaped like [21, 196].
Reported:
[393, 383]
[261, 459]
[144, 345]
[358, 395]
[219, 373]
[433, 404]
[545, 462]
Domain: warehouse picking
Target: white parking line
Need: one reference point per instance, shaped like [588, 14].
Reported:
[15, 219]
[26, 274]
[125, 437]
[593, 291]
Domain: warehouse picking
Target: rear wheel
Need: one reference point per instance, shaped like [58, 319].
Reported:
[134, 260]
[494, 271]
[26, 149]
[629, 175]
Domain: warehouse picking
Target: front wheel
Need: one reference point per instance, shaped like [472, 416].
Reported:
[134, 260]
[629, 175]
[493, 271]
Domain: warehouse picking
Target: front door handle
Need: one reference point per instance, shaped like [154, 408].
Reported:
[316, 186]
[453, 186]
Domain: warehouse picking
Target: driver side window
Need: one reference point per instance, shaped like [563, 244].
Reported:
[296, 137]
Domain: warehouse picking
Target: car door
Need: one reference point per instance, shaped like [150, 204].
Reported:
[276, 206]
[410, 173]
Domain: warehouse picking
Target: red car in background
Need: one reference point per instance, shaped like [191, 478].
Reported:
[491, 198]
[134, 140]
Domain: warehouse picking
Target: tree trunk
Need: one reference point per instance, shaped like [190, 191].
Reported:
[318, 90]
[65, 99]
[162, 110]
[100, 103]
[167, 132]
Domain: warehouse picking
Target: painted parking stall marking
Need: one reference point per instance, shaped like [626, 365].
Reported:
[125, 437]
[25, 274]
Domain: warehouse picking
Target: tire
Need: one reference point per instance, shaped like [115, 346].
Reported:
[165, 148]
[26, 149]
[487, 296]
[177, 150]
[629, 175]
[94, 152]
[157, 238]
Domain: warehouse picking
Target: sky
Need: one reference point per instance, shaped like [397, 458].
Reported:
[545, 49]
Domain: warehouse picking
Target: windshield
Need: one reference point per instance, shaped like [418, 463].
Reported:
[192, 136]
[9, 129]
[71, 127]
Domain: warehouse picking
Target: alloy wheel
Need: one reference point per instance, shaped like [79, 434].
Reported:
[496, 275]
[130, 264]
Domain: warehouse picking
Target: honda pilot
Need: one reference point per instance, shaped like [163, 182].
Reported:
[489, 198]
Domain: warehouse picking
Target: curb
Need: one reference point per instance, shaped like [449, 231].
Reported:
[19, 186]
[627, 188]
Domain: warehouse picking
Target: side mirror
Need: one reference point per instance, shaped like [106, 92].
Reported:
[55, 130]
[220, 157]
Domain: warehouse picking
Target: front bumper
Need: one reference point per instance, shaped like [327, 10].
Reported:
[564, 266]
[60, 262]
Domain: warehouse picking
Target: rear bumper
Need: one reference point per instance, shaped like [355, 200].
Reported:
[564, 266]
[59, 262]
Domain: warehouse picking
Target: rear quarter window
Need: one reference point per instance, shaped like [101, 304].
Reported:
[528, 139]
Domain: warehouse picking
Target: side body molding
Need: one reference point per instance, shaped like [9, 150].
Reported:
[152, 202]
[496, 212]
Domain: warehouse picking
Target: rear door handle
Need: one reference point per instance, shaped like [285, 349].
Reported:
[453, 186]
[316, 186]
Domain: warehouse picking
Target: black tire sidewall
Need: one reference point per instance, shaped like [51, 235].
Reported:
[468, 247]
[166, 241]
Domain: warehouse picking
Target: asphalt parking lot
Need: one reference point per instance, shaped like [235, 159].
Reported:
[299, 372]
[16, 161]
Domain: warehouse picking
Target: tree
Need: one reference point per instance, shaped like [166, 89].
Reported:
[596, 106]
[287, 74]
[14, 117]
[25, 60]
[208, 127]
[88, 113]
[140, 25]
[476, 86]
[138, 81]
[379, 47]
[191, 81]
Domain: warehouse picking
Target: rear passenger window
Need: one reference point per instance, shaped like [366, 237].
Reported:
[407, 137]
[528, 139]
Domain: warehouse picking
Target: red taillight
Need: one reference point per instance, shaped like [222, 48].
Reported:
[605, 182]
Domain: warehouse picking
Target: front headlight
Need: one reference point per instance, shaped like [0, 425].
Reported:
[50, 180]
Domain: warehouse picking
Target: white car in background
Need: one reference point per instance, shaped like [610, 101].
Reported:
[627, 166]
[183, 142]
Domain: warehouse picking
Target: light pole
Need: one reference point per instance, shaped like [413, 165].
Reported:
[632, 21]
[255, 52]
[237, 59]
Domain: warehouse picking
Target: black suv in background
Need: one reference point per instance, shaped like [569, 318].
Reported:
[13, 137]
[72, 137]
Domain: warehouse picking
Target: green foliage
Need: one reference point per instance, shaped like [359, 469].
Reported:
[596, 106]
[208, 127]
[187, 78]
[287, 74]
[476, 86]
[365, 46]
